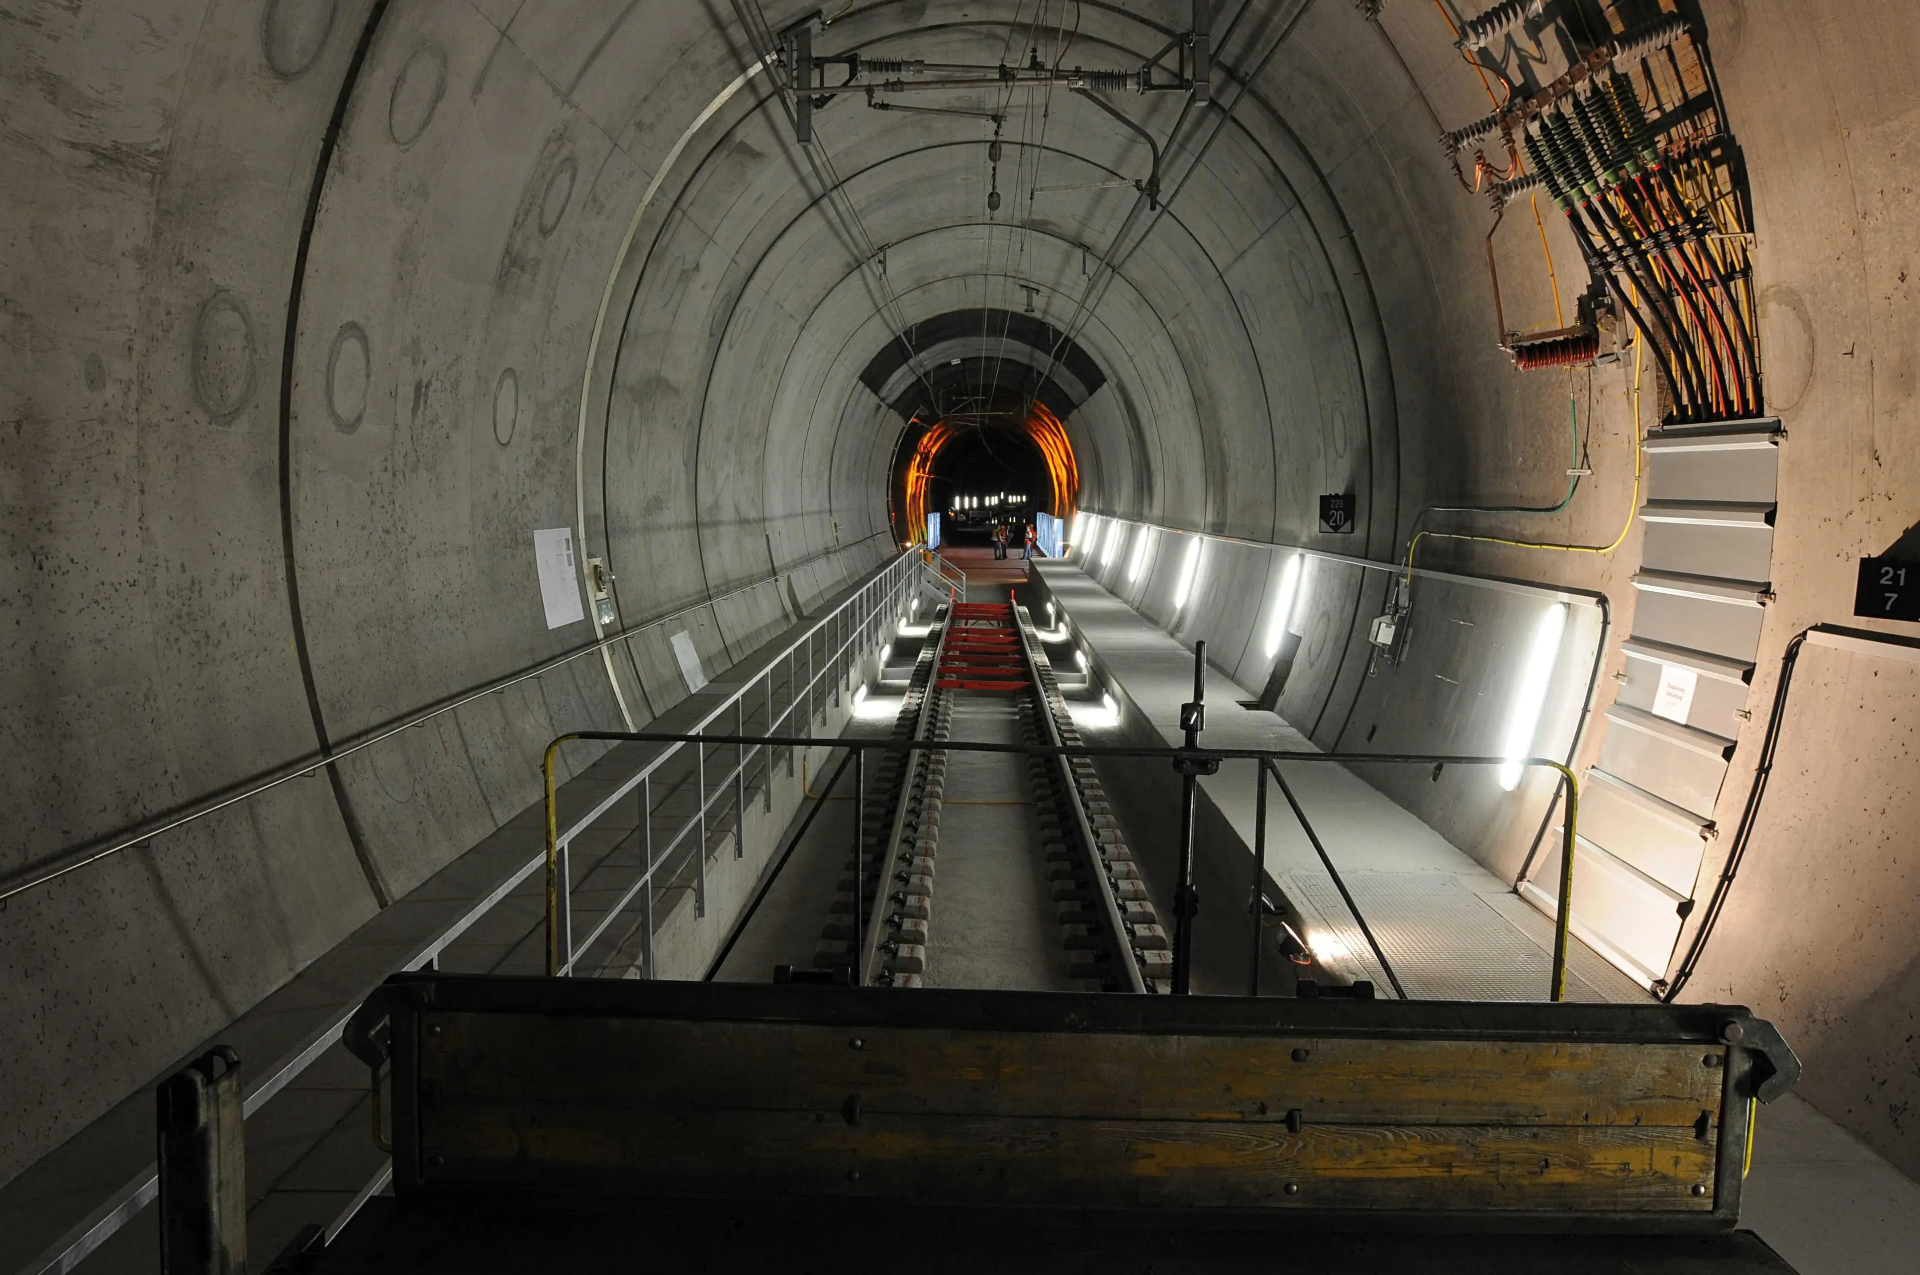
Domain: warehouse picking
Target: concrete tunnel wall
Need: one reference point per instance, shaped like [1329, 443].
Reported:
[1309, 315]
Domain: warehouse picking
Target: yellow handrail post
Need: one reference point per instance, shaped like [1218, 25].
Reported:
[1563, 919]
[553, 858]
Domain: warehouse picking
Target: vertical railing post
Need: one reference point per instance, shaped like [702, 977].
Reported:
[1563, 922]
[767, 734]
[646, 849]
[553, 853]
[700, 847]
[1186, 903]
[1259, 873]
[859, 858]
[564, 932]
[740, 776]
[203, 1168]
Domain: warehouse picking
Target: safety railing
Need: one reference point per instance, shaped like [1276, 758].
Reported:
[784, 698]
[142, 835]
[953, 576]
[853, 621]
[1189, 761]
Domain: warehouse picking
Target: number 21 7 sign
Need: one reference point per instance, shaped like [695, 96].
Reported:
[1889, 589]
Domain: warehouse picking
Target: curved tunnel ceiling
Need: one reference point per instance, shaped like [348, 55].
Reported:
[323, 306]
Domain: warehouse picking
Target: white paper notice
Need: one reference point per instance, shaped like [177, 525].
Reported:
[559, 581]
[1674, 698]
[683, 650]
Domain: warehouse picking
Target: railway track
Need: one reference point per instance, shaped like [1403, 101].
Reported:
[986, 661]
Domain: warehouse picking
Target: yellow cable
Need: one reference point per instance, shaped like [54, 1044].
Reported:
[1633, 507]
[1558, 318]
[1553, 280]
[1753, 1119]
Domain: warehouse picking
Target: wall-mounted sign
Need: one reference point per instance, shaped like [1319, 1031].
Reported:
[1888, 589]
[559, 578]
[1336, 513]
[1673, 697]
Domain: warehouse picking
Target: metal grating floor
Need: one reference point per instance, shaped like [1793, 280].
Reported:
[1448, 942]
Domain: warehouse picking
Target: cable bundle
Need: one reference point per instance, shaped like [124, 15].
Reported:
[1660, 255]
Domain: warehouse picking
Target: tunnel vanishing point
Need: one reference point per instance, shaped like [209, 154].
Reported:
[984, 626]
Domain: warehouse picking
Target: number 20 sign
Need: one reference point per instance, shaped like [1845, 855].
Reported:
[1889, 589]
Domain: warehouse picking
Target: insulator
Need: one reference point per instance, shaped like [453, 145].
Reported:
[1559, 349]
[1633, 119]
[1649, 38]
[1571, 153]
[1496, 22]
[893, 66]
[1543, 168]
[1109, 81]
[1505, 193]
[1605, 150]
[1453, 142]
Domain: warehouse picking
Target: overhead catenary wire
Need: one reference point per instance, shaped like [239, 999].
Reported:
[859, 241]
[1114, 260]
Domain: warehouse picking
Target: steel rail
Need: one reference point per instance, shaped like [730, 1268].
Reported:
[1569, 833]
[923, 714]
[1109, 906]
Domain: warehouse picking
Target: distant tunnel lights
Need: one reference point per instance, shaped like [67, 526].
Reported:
[1530, 693]
[1139, 554]
[1284, 604]
[1188, 570]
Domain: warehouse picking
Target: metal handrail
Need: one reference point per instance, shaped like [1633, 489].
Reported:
[33, 878]
[1265, 758]
[950, 574]
[125, 1203]
[863, 636]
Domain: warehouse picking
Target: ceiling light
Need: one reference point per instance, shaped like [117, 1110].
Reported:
[1283, 604]
[1530, 693]
[1188, 570]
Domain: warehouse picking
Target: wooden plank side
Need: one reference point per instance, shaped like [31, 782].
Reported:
[1068, 1163]
[780, 1066]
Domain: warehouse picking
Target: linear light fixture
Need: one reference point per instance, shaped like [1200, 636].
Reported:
[1188, 570]
[1139, 560]
[1079, 525]
[1530, 693]
[1114, 538]
[1285, 604]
